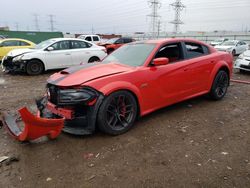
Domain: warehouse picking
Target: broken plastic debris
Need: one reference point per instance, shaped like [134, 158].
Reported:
[3, 158]
[224, 153]
[48, 179]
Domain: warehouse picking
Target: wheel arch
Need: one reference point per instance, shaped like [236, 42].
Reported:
[37, 59]
[220, 66]
[93, 57]
[124, 86]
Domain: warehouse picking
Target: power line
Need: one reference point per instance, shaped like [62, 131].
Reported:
[51, 21]
[36, 22]
[178, 7]
[155, 5]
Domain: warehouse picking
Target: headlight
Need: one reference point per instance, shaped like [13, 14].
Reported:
[241, 56]
[75, 96]
[18, 58]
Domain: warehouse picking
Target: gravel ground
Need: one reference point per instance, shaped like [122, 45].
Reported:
[196, 143]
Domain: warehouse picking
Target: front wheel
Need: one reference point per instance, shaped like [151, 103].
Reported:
[93, 59]
[220, 85]
[117, 113]
[34, 67]
[233, 52]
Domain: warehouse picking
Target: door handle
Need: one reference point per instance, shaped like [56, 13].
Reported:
[67, 54]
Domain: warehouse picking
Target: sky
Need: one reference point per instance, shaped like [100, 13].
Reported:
[123, 16]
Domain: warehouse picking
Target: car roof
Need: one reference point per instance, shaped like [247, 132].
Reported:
[167, 40]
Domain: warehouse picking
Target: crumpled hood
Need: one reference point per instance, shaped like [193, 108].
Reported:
[17, 52]
[78, 75]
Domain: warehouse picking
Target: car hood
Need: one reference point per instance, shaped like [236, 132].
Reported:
[223, 47]
[247, 53]
[78, 75]
[17, 52]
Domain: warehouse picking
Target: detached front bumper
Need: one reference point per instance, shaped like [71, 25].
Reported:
[34, 127]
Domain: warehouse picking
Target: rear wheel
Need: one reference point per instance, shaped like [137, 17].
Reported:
[117, 113]
[110, 50]
[93, 59]
[220, 85]
[34, 67]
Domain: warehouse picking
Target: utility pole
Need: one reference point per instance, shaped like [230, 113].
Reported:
[158, 28]
[178, 6]
[36, 22]
[51, 21]
[155, 5]
[17, 26]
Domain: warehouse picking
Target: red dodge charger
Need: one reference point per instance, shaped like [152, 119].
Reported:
[134, 80]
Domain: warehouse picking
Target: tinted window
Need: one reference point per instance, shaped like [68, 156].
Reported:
[62, 45]
[127, 40]
[119, 41]
[10, 43]
[132, 55]
[95, 38]
[79, 44]
[171, 51]
[194, 50]
[88, 38]
[22, 43]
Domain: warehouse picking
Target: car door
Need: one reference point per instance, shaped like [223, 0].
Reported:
[58, 55]
[7, 46]
[184, 76]
[80, 52]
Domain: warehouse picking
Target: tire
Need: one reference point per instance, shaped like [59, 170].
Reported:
[233, 52]
[93, 59]
[220, 85]
[34, 67]
[117, 113]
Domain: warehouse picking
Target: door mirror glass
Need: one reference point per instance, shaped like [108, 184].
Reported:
[160, 61]
[50, 48]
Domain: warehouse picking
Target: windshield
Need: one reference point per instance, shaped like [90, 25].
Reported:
[132, 54]
[229, 43]
[44, 44]
[111, 41]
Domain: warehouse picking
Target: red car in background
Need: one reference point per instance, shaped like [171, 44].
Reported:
[133, 81]
[114, 43]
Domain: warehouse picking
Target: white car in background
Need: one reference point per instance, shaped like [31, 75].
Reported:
[218, 41]
[91, 38]
[53, 54]
[243, 61]
[233, 46]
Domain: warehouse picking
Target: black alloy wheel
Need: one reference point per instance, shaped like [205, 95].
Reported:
[220, 85]
[117, 113]
[34, 67]
[233, 52]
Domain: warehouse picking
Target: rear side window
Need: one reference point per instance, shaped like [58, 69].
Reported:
[79, 44]
[95, 38]
[22, 43]
[195, 50]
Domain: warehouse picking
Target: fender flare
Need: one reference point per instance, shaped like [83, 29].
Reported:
[123, 85]
[221, 65]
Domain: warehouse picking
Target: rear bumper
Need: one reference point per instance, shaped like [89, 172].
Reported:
[242, 64]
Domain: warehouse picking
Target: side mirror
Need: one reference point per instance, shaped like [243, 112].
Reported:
[160, 61]
[50, 48]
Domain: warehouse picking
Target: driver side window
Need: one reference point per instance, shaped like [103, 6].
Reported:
[62, 45]
[171, 51]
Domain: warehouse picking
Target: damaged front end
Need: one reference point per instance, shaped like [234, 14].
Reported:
[79, 107]
[13, 64]
[73, 110]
